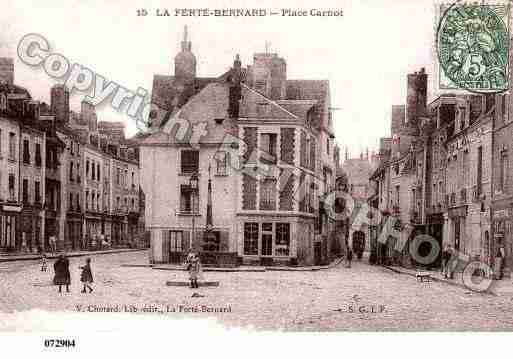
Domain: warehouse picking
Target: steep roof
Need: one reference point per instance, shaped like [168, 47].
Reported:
[312, 90]
[253, 103]
[170, 93]
[205, 107]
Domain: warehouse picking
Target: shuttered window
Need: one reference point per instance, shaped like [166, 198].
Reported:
[189, 161]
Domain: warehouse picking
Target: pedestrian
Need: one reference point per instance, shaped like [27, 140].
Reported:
[44, 264]
[53, 243]
[446, 257]
[193, 265]
[349, 258]
[84, 242]
[62, 275]
[86, 277]
[498, 265]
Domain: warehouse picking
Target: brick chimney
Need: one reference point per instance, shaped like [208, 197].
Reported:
[235, 91]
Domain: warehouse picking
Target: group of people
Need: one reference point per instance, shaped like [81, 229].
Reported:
[449, 264]
[62, 275]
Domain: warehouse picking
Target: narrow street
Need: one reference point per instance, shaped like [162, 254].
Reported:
[361, 298]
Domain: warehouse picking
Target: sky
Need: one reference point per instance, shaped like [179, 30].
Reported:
[366, 53]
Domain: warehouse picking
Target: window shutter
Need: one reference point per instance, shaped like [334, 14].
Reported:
[165, 245]
[224, 245]
[249, 188]
[250, 139]
[287, 145]
[287, 192]
[302, 144]
[312, 154]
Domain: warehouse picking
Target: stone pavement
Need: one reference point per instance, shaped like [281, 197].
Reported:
[175, 267]
[498, 287]
[30, 256]
[363, 297]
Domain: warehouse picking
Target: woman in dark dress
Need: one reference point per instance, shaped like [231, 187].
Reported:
[62, 275]
[87, 276]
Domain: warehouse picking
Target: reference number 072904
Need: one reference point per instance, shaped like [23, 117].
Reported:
[59, 343]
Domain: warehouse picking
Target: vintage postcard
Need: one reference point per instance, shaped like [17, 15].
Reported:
[335, 166]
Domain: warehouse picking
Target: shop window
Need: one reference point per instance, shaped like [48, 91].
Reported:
[176, 243]
[250, 238]
[282, 239]
[189, 161]
[267, 239]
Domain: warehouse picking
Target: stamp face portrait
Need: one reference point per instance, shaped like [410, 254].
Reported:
[473, 44]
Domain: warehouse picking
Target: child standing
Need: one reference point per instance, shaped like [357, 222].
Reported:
[194, 267]
[349, 257]
[87, 276]
[44, 264]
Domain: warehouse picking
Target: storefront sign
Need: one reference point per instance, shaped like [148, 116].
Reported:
[458, 212]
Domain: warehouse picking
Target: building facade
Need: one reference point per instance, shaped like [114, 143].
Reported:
[442, 186]
[56, 177]
[264, 160]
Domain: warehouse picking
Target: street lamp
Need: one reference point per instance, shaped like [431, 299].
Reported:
[193, 185]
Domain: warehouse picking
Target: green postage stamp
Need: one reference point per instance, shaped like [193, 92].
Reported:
[473, 43]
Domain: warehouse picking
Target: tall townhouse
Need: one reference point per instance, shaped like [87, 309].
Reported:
[93, 165]
[10, 206]
[71, 177]
[32, 175]
[124, 194]
[501, 235]
[468, 176]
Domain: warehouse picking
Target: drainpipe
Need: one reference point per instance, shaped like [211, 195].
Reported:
[424, 181]
[491, 241]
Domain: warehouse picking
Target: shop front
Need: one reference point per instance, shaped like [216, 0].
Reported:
[73, 231]
[502, 217]
[31, 230]
[9, 219]
[435, 229]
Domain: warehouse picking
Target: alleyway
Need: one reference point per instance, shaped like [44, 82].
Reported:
[322, 300]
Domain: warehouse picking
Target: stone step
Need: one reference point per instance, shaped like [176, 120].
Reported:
[187, 284]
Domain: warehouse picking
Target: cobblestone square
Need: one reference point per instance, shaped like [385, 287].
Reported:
[361, 298]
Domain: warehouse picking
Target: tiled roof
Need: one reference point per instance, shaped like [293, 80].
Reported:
[170, 93]
[311, 90]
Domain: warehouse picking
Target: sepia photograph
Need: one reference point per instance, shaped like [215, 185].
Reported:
[255, 169]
